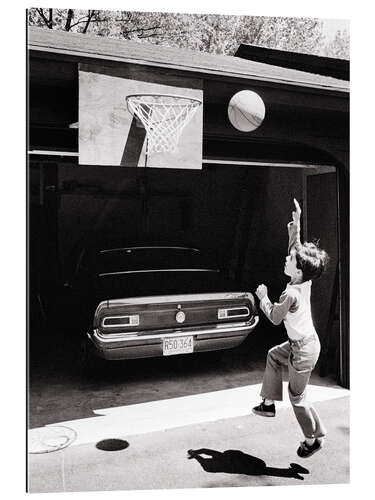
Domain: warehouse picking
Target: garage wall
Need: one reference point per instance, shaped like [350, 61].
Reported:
[322, 226]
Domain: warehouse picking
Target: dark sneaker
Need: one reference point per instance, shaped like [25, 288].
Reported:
[264, 410]
[305, 450]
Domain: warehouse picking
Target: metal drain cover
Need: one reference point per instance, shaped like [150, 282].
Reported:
[50, 438]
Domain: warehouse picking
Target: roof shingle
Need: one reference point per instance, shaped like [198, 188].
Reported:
[77, 44]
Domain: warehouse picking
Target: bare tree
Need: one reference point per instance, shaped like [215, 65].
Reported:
[220, 34]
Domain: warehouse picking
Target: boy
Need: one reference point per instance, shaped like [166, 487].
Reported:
[301, 352]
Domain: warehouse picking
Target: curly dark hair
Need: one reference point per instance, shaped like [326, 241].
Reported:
[311, 259]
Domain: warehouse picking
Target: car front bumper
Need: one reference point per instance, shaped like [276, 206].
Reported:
[119, 346]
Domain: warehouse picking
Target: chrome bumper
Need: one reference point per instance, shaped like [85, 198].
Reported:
[140, 344]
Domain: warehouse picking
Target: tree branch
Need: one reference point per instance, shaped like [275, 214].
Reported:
[69, 19]
[141, 30]
[47, 22]
[85, 20]
[81, 21]
[90, 16]
[165, 36]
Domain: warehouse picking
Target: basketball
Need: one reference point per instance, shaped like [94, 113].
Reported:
[246, 111]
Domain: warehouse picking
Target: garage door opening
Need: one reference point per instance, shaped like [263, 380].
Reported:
[236, 213]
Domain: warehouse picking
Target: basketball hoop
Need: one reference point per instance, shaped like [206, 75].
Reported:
[164, 117]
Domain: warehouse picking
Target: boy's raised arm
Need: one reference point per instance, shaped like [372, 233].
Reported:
[294, 227]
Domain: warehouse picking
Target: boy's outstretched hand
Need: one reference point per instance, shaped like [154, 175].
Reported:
[296, 214]
[261, 291]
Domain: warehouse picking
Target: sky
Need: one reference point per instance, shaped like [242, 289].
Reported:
[331, 26]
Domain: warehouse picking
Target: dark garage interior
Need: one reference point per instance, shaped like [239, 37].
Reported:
[236, 215]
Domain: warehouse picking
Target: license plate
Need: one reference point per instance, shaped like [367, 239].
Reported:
[178, 345]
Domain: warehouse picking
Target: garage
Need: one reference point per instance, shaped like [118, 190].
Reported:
[233, 203]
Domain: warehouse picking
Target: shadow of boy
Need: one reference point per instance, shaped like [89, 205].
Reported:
[237, 462]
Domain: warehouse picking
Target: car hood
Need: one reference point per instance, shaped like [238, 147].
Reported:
[162, 283]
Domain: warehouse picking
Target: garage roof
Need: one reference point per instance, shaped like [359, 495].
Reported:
[62, 42]
[328, 66]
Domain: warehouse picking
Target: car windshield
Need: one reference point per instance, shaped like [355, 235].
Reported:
[144, 259]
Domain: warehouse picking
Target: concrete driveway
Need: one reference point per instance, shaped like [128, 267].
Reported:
[124, 452]
[135, 421]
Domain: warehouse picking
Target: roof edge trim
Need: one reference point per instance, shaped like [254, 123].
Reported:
[42, 48]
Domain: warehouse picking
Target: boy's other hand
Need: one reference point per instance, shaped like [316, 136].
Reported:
[296, 214]
[261, 291]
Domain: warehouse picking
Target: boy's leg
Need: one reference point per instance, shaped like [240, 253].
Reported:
[277, 357]
[307, 416]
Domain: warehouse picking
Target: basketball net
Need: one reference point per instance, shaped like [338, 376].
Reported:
[164, 117]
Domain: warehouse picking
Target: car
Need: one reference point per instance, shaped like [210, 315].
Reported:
[152, 300]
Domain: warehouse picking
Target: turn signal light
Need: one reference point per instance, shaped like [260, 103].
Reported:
[120, 321]
[233, 312]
